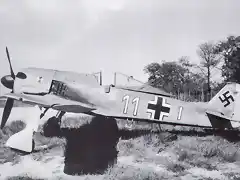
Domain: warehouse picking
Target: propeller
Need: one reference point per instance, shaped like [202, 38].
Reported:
[11, 69]
[7, 110]
[8, 82]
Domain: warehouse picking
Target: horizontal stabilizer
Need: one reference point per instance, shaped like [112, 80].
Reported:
[218, 122]
[215, 113]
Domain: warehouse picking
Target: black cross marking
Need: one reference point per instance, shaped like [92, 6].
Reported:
[158, 108]
[225, 98]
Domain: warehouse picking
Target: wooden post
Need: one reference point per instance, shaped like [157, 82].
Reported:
[115, 78]
[100, 78]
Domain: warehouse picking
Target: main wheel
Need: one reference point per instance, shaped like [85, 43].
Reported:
[51, 128]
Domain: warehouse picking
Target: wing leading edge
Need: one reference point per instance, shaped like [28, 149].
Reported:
[52, 101]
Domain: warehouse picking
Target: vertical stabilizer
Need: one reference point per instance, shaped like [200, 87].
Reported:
[223, 103]
[222, 110]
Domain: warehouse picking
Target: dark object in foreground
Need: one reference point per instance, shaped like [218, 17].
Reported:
[90, 149]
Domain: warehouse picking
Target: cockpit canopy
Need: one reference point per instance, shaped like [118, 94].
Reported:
[37, 80]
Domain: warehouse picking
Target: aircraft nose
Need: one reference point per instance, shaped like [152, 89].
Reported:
[7, 81]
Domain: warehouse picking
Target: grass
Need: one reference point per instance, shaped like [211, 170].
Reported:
[125, 172]
[23, 178]
[152, 155]
[5, 133]
[183, 153]
[7, 155]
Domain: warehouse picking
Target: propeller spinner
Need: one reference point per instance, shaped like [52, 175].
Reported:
[8, 82]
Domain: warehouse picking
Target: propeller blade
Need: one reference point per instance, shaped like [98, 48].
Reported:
[7, 110]
[11, 69]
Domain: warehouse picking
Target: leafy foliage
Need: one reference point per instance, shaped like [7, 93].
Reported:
[208, 54]
[175, 77]
[183, 77]
[168, 75]
[209, 59]
[229, 50]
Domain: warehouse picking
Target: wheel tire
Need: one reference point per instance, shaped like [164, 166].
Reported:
[51, 128]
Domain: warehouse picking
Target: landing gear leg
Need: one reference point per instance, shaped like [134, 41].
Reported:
[34, 132]
[159, 127]
[44, 112]
[59, 116]
[53, 125]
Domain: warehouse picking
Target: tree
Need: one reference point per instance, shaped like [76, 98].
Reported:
[176, 78]
[184, 62]
[168, 76]
[230, 53]
[209, 59]
[188, 76]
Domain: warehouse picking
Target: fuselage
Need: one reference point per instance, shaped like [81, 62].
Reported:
[109, 100]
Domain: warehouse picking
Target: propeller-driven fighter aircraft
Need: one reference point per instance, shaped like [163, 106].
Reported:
[70, 92]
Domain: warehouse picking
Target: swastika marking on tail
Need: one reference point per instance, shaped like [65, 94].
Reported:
[226, 98]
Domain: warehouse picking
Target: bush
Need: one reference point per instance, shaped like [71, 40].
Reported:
[14, 127]
[23, 178]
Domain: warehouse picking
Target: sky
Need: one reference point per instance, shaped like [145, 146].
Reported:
[110, 35]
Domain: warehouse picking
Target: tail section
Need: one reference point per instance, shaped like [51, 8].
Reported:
[223, 106]
[224, 101]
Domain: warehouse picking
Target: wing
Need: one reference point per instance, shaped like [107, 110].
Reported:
[52, 101]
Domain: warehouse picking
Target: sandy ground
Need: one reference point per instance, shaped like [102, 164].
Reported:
[184, 157]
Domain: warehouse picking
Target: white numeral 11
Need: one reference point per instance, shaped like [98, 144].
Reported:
[135, 101]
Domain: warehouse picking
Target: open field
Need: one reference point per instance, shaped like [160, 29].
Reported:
[154, 155]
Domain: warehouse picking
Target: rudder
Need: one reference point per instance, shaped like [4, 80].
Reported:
[222, 108]
[223, 103]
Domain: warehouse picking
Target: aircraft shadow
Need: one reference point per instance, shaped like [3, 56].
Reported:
[91, 148]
